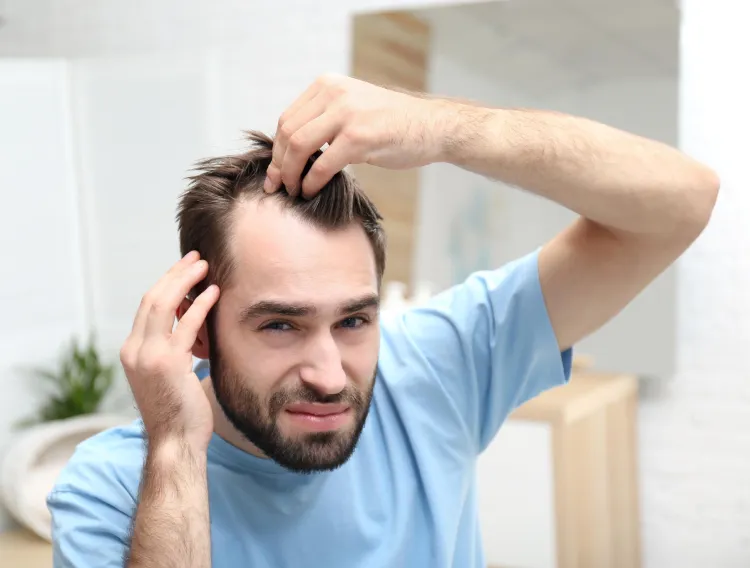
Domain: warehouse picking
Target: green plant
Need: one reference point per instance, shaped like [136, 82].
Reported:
[78, 385]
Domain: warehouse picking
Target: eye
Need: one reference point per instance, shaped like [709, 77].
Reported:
[277, 326]
[353, 322]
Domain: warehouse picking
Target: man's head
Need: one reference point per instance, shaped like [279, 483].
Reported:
[293, 340]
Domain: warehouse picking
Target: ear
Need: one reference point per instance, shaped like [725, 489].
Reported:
[200, 347]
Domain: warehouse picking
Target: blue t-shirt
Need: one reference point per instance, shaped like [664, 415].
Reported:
[449, 374]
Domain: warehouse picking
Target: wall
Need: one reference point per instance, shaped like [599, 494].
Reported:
[42, 280]
[64, 28]
[695, 435]
[489, 224]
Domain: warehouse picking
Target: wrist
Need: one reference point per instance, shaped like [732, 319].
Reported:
[461, 128]
[168, 449]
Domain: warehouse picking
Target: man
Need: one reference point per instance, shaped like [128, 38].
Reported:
[323, 435]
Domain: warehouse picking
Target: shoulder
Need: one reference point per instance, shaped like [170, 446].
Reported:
[93, 502]
[484, 304]
[476, 350]
[107, 465]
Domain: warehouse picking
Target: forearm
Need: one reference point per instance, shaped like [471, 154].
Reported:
[171, 526]
[617, 179]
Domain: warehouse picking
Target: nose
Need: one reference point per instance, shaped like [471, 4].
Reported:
[323, 369]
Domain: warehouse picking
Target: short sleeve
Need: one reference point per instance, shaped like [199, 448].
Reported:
[87, 530]
[94, 499]
[488, 343]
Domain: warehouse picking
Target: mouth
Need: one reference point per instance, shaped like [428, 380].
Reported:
[319, 417]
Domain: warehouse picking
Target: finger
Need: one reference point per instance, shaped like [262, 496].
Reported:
[309, 94]
[273, 178]
[334, 159]
[303, 144]
[161, 315]
[190, 324]
[314, 108]
[139, 322]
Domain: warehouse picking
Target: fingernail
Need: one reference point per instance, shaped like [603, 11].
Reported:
[268, 185]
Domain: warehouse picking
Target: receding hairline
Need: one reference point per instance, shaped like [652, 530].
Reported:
[208, 207]
[281, 202]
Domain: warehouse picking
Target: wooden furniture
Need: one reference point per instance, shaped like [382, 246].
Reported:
[22, 549]
[392, 49]
[558, 486]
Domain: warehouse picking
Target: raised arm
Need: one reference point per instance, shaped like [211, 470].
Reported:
[171, 526]
[641, 202]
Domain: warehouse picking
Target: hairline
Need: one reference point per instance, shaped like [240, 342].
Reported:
[287, 206]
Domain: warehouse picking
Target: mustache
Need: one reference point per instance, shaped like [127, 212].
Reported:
[305, 393]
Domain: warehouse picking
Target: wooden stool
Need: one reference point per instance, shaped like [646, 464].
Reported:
[558, 487]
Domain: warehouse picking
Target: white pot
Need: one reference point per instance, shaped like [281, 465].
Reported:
[34, 460]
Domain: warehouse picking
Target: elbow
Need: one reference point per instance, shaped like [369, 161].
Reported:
[701, 201]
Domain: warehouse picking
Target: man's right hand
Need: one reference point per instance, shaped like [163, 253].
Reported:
[157, 358]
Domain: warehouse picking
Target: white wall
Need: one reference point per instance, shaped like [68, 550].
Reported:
[497, 223]
[695, 436]
[42, 280]
[140, 122]
[274, 30]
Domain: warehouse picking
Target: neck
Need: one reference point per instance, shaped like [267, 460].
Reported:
[223, 428]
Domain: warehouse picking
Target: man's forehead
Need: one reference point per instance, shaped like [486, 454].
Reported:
[276, 251]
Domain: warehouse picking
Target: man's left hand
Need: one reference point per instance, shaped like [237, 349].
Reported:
[362, 124]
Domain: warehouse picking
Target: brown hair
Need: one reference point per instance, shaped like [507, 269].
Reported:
[205, 208]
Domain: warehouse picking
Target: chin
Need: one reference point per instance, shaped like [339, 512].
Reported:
[306, 452]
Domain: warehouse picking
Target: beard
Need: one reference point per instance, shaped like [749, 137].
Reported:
[257, 420]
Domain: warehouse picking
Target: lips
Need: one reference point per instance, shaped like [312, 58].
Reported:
[319, 417]
[320, 410]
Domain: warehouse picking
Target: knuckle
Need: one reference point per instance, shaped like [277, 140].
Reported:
[296, 143]
[283, 119]
[157, 306]
[126, 357]
[331, 78]
[146, 299]
[347, 113]
[318, 170]
[286, 131]
[153, 362]
[354, 137]
[332, 84]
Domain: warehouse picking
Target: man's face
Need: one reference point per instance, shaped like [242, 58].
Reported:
[296, 338]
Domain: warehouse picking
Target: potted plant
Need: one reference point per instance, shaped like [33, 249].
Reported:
[72, 412]
[78, 385]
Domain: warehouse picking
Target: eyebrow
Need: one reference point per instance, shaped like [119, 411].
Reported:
[272, 308]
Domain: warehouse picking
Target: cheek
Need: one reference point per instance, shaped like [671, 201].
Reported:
[361, 357]
[259, 367]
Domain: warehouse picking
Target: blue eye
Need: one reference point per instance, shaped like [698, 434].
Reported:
[277, 326]
[353, 322]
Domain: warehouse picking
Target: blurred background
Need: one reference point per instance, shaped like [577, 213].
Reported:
[105, 106]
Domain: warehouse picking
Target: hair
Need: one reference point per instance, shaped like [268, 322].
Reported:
[205, 209]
